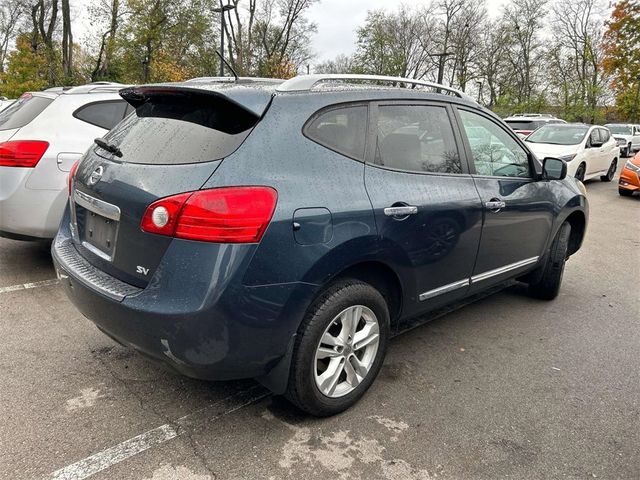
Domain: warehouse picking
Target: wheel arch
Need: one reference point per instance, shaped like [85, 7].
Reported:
[578, 222]
[380, 276]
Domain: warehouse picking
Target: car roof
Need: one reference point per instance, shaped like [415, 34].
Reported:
[255, 94]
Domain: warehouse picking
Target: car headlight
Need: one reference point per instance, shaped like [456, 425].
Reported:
[582, 188]
[621, 142]
[568, 158]
[631, 166]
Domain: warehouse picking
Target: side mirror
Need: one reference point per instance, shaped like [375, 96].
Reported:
[554, 169]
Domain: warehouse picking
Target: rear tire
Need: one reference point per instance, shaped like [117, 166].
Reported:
[580, 172]
[611, 172]
[624, 192]
[317, 350]
[547, 285]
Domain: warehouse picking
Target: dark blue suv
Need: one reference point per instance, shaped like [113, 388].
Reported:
[284, 231]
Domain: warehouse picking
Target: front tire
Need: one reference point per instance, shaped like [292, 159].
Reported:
[339, 349]
[580, 172]
[629, 151]
[547, 285]
[611, 172]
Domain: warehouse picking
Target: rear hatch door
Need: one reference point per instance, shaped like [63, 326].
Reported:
[171, 144]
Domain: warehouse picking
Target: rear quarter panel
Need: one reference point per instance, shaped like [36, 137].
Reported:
[306, 175]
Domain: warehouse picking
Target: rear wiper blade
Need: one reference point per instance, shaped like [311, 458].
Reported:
[108, 147]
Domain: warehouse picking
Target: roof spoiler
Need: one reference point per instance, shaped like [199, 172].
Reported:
[252, 101]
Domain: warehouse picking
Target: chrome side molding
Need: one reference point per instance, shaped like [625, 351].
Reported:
[507, 268]
[450, 287]
[444, 289]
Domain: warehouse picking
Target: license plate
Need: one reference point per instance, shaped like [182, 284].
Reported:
[100, 233]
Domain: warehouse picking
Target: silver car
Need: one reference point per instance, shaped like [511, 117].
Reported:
[42, 135]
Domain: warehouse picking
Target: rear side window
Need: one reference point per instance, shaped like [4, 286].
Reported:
[417, 138]
[102, 114]
[180, 129]
[341, 129]
[23, 111]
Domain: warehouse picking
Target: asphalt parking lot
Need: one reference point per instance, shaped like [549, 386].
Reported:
[508, 387]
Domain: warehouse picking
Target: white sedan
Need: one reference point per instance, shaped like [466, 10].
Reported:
[589, 150]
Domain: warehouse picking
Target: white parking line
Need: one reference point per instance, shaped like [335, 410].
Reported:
[27, 286]
[127, 449]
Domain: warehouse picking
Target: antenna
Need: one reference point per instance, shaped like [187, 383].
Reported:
[228, 65]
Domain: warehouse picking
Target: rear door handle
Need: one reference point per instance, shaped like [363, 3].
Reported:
[400, 211]
[495, 205]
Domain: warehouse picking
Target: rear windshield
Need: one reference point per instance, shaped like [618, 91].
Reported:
[526, 125]
[22, 111]
[172, 129]
[559, 135]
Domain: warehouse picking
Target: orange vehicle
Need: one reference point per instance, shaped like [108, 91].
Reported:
[630, 177]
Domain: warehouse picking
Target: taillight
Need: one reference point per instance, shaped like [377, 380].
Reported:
[222, 215]
[22, 153]
[72, 174]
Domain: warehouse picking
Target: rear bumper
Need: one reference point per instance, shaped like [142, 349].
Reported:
[27, 213]
[204, 332]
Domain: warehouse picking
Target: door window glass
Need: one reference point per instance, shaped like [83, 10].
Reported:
[341, 129]
[604, 135]
[494, 151]
[417, 138]
[594, 137]
[102, 114]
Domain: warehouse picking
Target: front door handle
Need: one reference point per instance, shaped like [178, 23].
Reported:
[494, 205]
[400, 211]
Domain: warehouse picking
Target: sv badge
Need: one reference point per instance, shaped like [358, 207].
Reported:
[142, 270]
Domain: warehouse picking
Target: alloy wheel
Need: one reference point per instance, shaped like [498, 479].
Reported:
[346, 351]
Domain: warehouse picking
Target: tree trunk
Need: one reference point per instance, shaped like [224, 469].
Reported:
[67, 41]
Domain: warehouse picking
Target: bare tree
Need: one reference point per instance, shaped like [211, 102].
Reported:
[111, 11]
[491, 60]
[468, 25]
[12, 12]
[577, 55]
[266, 34]
[524, 21]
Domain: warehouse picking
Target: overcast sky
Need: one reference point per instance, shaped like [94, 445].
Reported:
[337, 21]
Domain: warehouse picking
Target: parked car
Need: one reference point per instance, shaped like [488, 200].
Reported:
[285, 232]
[630, 177]
[589, 150]
[627, 136]
[41, 135]
[526, 123]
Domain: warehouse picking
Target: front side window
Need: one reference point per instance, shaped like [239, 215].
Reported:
[594, 137]
[604, 135]
[494, 151]
[341, 129]
[417, 138]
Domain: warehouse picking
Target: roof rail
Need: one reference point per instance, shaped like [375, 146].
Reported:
[303, 83]
[95, 87]
[233, 80]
